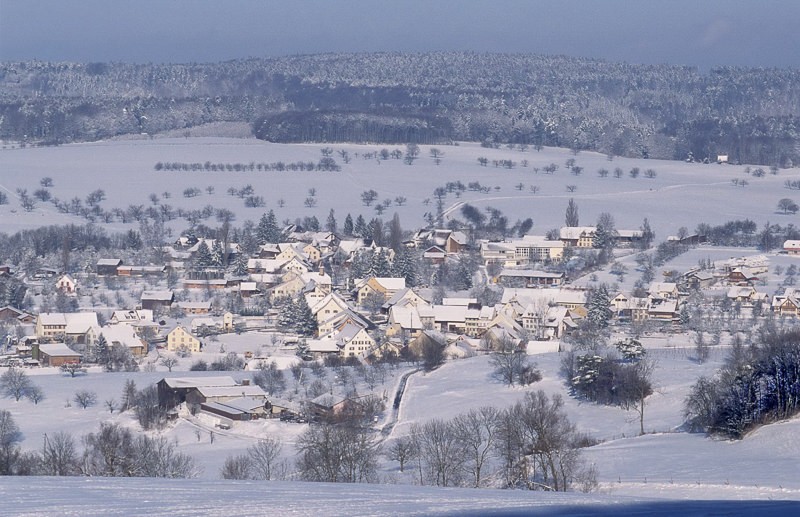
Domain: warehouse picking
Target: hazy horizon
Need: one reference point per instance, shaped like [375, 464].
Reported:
[705, 34]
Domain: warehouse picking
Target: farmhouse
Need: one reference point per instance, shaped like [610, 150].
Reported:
[792, 247]
[173, 391]
[179, 337]
[66, 284]
[201, 394]
[77, 326]
[9, 313]
[240, 409]
[125, 336]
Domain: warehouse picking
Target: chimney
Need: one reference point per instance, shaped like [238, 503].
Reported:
[321, 269]
[245, 382]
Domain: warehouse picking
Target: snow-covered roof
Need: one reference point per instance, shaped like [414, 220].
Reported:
[109, 262]
[124, 335]
[80, 322]
[193, 382]
[390, 283]
[231, 391]
[575, 232]
[322, 346]
[463, 302]
[53, 318]
[405, 316]
[157, 295]
[57, 350]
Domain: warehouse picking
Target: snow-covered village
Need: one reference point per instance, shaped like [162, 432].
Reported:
[342, 347]
[397, 283]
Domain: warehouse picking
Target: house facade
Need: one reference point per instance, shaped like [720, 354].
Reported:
[179, 337]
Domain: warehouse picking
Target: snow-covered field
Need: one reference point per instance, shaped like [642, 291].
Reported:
[664, 464]
[177, 497]
[681, 194]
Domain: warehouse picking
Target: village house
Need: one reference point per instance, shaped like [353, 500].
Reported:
[746, 295]
[406, 296]
[125, 336]
[792, 247]
[385, 287]
[404, 320]
[66, 284]
[742, 276]
[699, 279]
[179, 337]
[787, 303]
[628, 238]
[339, 320]
[663, 290]
[193, 307]
[500, 253]
[78, 327]
[434, 255]
[352, 340]
[577, 236]
[327, 307]
[12, 314]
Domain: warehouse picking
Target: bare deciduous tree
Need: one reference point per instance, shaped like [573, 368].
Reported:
[85, 398]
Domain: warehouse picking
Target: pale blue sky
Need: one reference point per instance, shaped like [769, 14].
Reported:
[695, 32]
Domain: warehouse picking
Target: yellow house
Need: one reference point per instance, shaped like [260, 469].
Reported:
[180, 337]
[328, 307]
[313, 253]
[387, 287]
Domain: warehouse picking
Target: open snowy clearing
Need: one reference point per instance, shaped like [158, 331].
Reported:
[681, 194]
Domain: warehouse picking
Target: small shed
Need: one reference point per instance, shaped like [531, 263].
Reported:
[55, 354]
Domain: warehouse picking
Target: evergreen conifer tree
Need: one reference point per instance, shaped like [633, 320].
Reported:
[599, 306]
[405, 267]
[101, 352]
[286, 314]
[360, 229]
[330, 223]
[217, 255]
[348, 225]
[380, 266]
[305, 322]
[202, 256]
[267, 230]
[240, 266]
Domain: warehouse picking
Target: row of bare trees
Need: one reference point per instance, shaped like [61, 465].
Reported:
[530, 445]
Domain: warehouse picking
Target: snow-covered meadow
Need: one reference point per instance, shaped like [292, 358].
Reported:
[681, 194]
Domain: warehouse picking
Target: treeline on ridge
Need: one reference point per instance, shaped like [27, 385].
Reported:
[655, 111]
